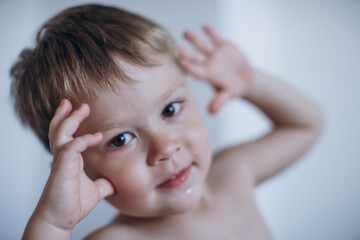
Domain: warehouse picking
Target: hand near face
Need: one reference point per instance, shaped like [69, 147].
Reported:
[219, 63]
[69, 194]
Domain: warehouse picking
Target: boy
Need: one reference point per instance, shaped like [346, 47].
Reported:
[144, 146]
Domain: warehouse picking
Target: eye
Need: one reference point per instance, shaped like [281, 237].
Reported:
[121, 140]
[171, 109]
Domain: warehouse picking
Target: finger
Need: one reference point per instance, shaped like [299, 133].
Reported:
[61, 113]
[218, 101]
[196, 70]
[105, 187]
[195, 57]
[213, 35]
[68, 160]
[69, 126]
[201, 45]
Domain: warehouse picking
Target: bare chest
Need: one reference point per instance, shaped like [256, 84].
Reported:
[233, 222]
[226, 222]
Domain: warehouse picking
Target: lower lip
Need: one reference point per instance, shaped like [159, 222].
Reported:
[180, 179]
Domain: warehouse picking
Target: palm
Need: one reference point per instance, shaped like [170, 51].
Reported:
[87, 194]
[71, 196]
[218, 62]
[224, 67]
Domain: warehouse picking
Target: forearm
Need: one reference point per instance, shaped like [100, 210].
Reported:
[38, 229]
[284, 106]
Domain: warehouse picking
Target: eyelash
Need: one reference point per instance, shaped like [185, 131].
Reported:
[123, 140]
[124, 137]
[174, 112]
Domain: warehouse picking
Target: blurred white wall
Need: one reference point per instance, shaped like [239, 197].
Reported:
[315, 47]
[312, 45]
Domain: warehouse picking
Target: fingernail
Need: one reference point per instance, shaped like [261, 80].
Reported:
[98, 134]
[62, 103]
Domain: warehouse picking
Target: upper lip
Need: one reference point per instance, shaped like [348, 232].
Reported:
[175, 173]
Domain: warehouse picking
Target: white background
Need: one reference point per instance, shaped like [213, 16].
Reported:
[312, 45]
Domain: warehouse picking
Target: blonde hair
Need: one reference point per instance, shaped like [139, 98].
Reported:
[74, 58]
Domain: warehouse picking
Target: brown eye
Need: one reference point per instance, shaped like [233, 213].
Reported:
[121, 139]
[171, 109]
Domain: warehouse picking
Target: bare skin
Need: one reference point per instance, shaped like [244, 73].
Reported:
[222, 215]
[226, 209]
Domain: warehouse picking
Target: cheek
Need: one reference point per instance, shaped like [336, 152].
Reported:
[130, 178]
[91, 163]
[197, 140]
[125, 175]
[133, 186]
[196, 134]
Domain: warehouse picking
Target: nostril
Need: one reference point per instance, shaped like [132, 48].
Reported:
[163, 159]
[166, 156]
[162, 149]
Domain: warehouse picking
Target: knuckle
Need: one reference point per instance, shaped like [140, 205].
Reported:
[76, 144]
[72, 121]
[51, 126]
[67, 146]
[70, 143]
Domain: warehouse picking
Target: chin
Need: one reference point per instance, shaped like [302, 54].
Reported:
[183, 205]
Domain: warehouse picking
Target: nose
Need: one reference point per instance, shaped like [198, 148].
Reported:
[162, 147]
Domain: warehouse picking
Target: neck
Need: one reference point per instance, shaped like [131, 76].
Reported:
[205, 203]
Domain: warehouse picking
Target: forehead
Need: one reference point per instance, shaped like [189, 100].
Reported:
[151, 87]
[165, 75]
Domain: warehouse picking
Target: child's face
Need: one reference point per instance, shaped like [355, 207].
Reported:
[152, 132]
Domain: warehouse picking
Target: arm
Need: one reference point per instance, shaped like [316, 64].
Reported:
[69, 195]
[296, 120]
[297, 123]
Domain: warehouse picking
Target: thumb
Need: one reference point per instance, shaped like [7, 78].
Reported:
[218, 101]
[105, 187]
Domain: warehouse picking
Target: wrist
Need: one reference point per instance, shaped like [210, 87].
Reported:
[253, 77]
[39, 228]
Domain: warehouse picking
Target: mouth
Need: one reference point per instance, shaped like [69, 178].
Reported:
[176, 179]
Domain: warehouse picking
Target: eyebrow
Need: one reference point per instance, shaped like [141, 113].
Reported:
[162, 97]
[165, 95]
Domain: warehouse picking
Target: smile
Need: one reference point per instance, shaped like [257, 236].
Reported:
[177, 179]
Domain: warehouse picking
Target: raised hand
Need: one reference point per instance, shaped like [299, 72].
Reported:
[218, 62]
[69, 195]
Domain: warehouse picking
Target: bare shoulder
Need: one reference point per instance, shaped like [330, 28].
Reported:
[112, 231]
[230, 171]
[108, 232]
